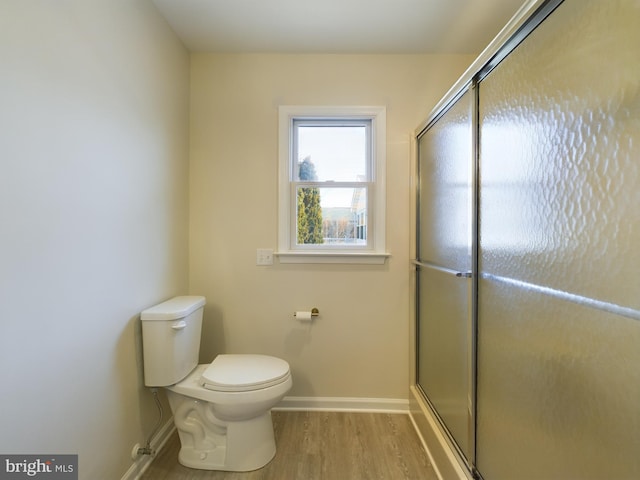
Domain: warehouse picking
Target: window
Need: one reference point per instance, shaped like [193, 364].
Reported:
[332, 188]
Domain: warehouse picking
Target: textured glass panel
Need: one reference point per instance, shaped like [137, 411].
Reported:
[558, 389]
[560, 154]
[445, 165]
[443, 371]
[445, 188]
[558, 372]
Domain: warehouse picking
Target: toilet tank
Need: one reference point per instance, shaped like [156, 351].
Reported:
[171, 339]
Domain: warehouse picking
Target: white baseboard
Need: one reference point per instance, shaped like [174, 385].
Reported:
[157, 442]
[344, 404]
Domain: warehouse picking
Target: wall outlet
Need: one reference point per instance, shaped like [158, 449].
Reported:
[264, 256]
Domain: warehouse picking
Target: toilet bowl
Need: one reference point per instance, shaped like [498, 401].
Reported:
[227, 429]
[222, 410]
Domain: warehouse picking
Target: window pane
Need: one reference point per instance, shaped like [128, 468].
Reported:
[332, 153]
[331, 216]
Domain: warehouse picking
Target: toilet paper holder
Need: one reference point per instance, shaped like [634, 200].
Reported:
[314, 312]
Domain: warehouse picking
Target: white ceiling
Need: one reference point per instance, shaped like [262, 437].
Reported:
[338, 26]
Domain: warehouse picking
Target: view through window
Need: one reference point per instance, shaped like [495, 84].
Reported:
[332, 178]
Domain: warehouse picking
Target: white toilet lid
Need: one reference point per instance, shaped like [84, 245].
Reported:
[241, 373]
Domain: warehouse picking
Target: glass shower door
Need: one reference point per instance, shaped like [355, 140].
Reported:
[559, 289]
[443, 264]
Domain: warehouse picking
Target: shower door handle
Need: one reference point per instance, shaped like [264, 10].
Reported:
[442, 269]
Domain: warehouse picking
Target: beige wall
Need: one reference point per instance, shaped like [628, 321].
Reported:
[94, 210]
[359, 347]
[93, 220]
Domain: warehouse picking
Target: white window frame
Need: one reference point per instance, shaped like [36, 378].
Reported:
[374, 252]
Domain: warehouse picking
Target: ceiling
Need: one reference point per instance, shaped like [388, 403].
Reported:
[337, 26]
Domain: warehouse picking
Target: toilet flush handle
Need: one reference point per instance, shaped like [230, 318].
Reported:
[180, 325]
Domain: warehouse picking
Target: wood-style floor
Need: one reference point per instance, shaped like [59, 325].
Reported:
[322, 446]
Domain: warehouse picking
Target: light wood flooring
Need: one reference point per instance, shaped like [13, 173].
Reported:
[322, 446]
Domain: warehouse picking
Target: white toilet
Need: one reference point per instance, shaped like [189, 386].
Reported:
[222, 410]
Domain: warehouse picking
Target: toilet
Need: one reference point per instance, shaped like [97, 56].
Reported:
[222, 410]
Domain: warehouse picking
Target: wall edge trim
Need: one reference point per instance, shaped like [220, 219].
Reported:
[443, 459]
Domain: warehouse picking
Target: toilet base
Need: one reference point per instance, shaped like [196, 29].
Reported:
[208, 443]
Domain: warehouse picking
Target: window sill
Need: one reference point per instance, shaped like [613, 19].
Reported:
[356, 258]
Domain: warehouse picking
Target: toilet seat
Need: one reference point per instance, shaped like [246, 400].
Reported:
[242, 373]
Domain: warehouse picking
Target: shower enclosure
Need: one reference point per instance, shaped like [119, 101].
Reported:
[528, 250]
